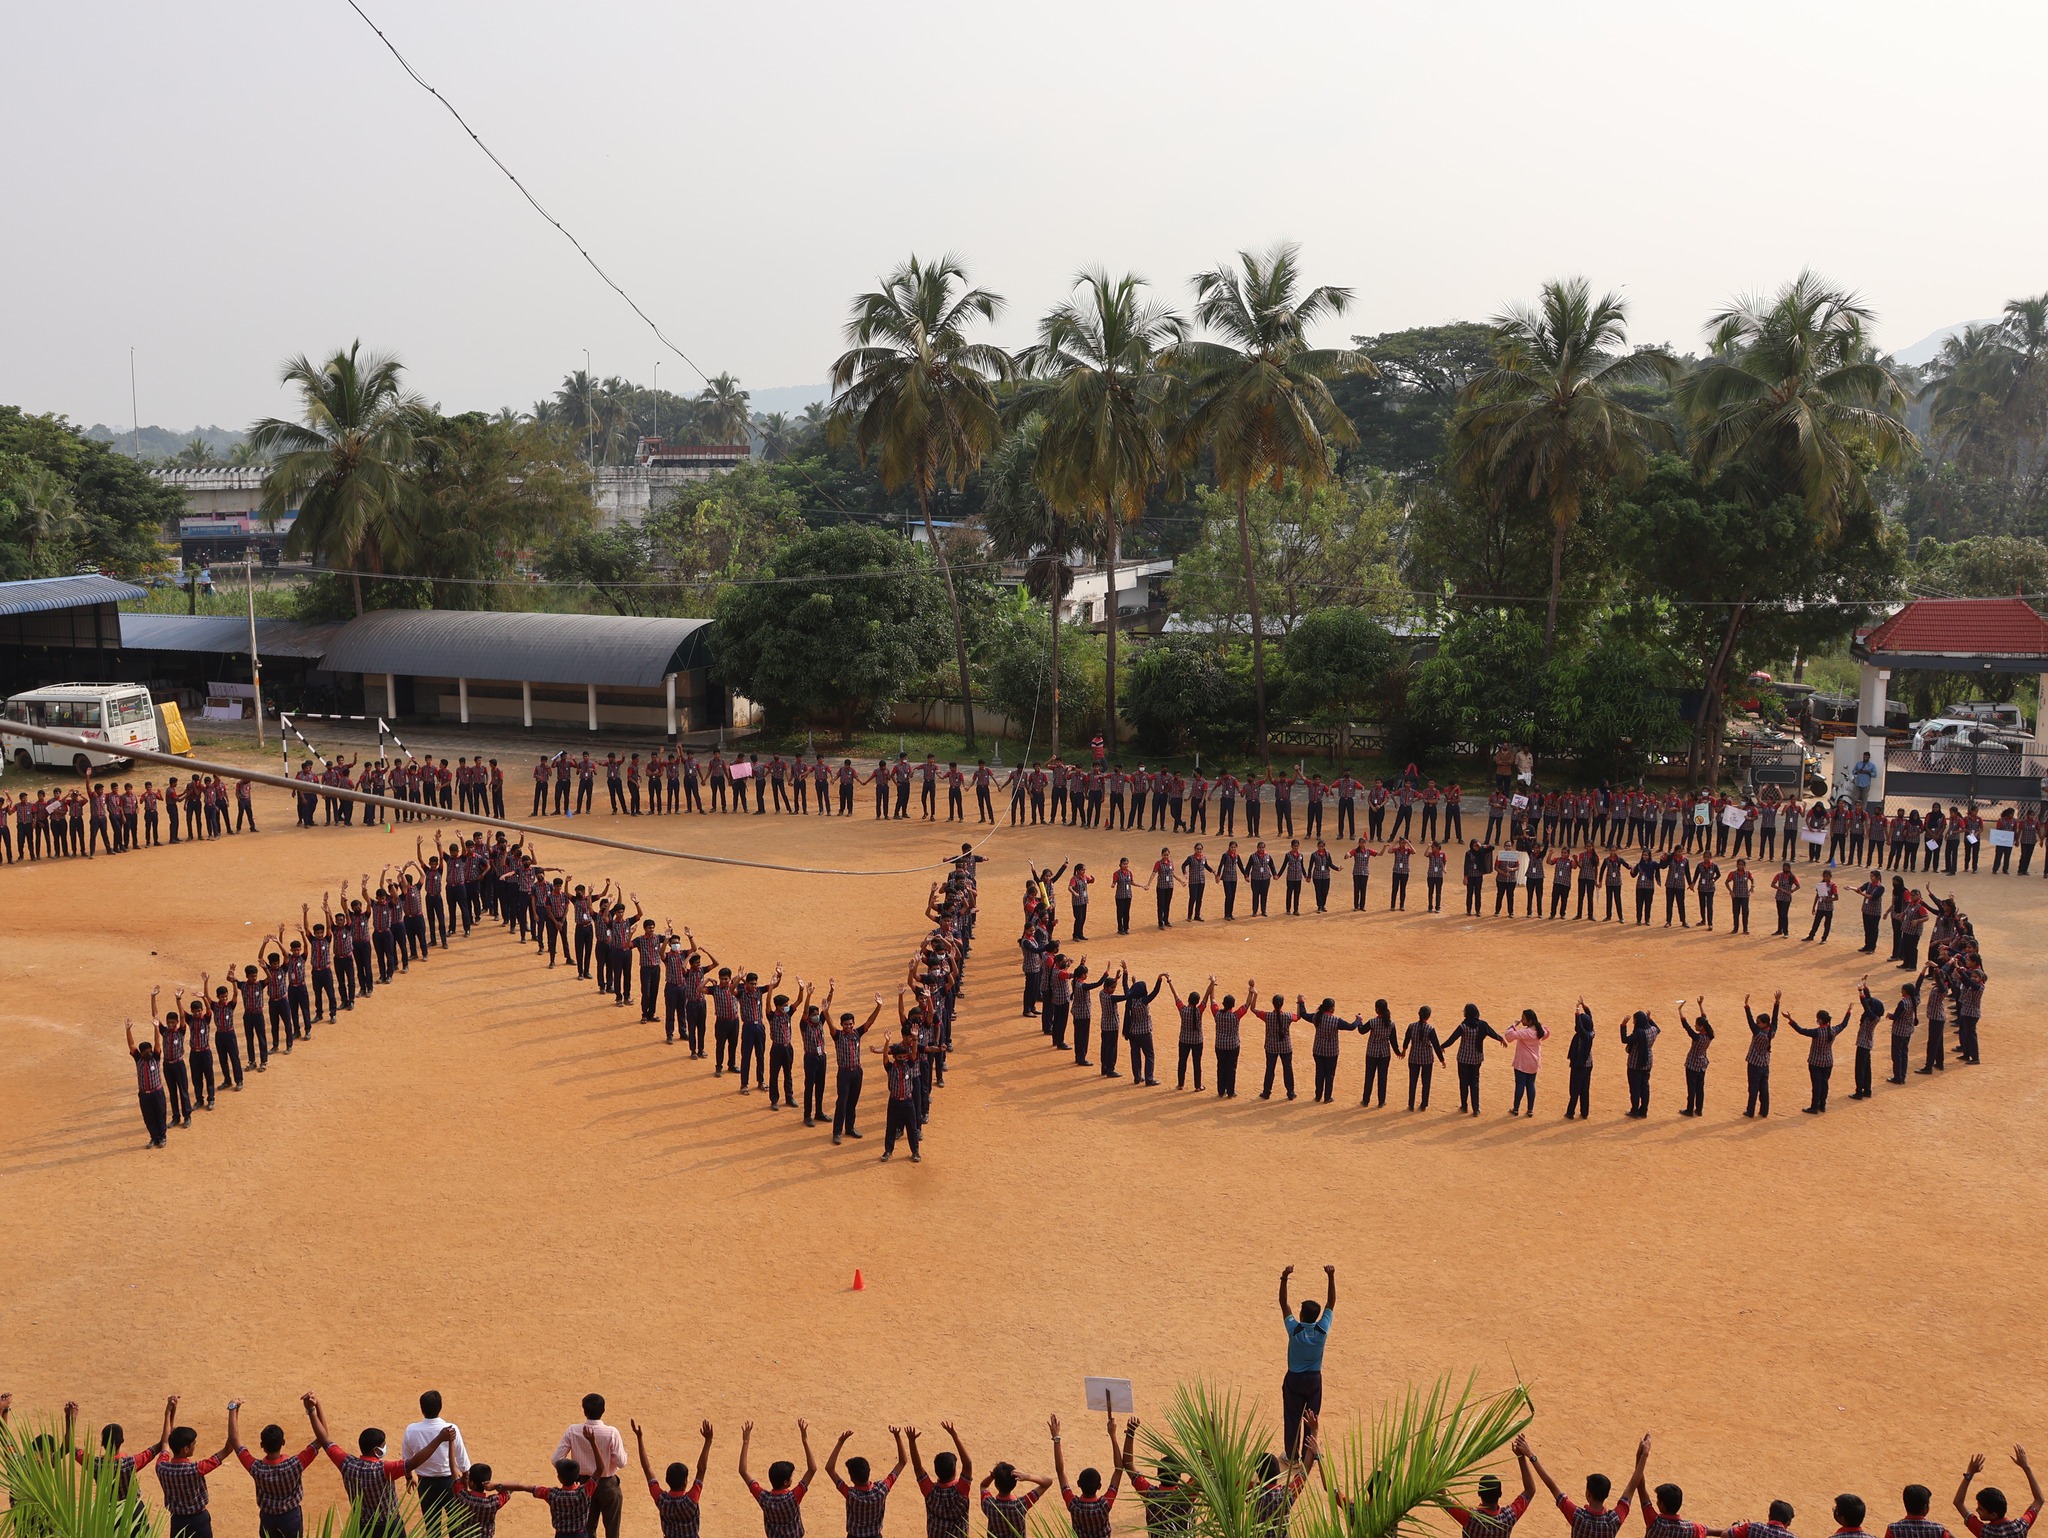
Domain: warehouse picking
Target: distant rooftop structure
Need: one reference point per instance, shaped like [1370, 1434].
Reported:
[712, 456]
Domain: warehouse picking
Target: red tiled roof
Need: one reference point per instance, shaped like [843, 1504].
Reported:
[1970, 627]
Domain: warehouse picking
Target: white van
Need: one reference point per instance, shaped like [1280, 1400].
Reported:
[121, 715]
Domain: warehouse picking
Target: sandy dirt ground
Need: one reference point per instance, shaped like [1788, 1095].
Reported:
[488, 1180]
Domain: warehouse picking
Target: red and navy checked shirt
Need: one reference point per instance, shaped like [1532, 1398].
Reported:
[184, 1484]
[1776, 1530]
[1657, 1525]
[280, 1486]
[782, 1513]
[370, 1482]
[945, 1508]
[2004, 1527]
[1594, 1524]
[1089, 1513]
[865, 1506]
[678, 1510]
[569, 1506]
[1005, 1513]
[1491, 1524]
[482, 1508]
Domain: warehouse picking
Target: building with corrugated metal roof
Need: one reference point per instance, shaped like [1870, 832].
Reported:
[54, 628]
[642, 673]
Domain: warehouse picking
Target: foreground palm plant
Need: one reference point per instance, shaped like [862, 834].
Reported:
[52, 1494]
[1421, 1452]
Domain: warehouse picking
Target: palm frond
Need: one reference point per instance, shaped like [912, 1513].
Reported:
[1418, 1455]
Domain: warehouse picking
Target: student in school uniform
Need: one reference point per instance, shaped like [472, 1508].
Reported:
[1638, 1043]
[149, 1080]
[1382, 1046]
[678, 1506]
[182, 1478]
[1595, 1518]
[1425, 1053]
[280, 1479]
[1189, 1043]
[1471, 1035]
[1088, 1508]
[1820, 1055]
[1229, 1017]
[946, 1489]
[1279, 1046]
[866, 1497]
[846, 1047]
[1763, 1030]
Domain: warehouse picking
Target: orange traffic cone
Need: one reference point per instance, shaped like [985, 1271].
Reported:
[858, 1284]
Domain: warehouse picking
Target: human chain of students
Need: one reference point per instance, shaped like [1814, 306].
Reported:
[1065, 995]
[115, 817]
[193, 1052]
[585, 1493]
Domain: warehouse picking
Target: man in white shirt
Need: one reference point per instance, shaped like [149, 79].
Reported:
[437, 1474]
[578, 1443]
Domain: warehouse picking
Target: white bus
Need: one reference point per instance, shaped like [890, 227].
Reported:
[120, 715]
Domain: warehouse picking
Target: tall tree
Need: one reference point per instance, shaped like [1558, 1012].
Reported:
[1106, 402]
[1546, 420]
[917, 396]
[1793, 403]
[347, 466]
[37, 506]
[722, 413]
[1023, 524]
[1261, 397]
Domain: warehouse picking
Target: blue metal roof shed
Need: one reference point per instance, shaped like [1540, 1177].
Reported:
[43, 594]
[625, 655]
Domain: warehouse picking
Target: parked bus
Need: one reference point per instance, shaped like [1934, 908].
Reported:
[120, 715]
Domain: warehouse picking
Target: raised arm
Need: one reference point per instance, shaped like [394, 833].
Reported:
[1524, 1451]
[1285, 1311]
[803, 1432]
[1330, 1290]
[1059, 1457]
[832, 1458]
[746, 1437]
[446, 1435]
[902, 1454]
[966, 1463]
[640, 1446]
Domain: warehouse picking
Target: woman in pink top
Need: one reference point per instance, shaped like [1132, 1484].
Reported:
[1526, 1036]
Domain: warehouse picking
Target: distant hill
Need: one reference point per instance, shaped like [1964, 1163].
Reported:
[789, 398]
[1928, 348]
[163, 442]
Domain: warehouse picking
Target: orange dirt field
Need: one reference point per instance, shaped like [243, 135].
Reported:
[489, 1181]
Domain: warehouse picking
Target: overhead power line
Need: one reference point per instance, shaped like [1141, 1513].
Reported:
[581, 251]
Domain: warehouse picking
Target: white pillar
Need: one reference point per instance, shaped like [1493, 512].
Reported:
[526, 702]
[1870, 712]
[462, 694]
[671, 704]
[2041, 717]
[390, 697]
[593, 705]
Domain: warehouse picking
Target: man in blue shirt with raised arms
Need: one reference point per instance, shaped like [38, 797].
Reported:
[1302, 1388]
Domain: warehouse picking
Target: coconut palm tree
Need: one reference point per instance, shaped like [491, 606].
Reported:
[1261, 397]
[1794, 399]
[42, 507]
[346, 466]
[916, 396]
[1546, 420]
[1097, 384]
[197, 454]
[722, 413]
[1793, 402]
[776, 434]
[1022, 524]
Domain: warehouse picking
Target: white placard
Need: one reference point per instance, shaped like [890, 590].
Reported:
[2001, 838]
[1814, 838]
[742, 770]
[1733, 816]
[1112, 1394]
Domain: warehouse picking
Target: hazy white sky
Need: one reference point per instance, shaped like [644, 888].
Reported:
[220, 183]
